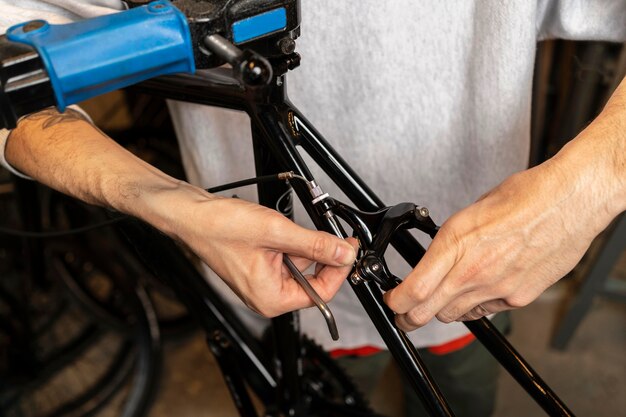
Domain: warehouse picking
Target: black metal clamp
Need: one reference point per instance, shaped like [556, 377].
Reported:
[375, 231]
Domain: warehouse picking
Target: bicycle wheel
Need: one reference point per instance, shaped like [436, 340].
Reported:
[61, 212]
[73, 365]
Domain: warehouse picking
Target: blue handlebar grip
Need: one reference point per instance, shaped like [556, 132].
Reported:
[95, 56]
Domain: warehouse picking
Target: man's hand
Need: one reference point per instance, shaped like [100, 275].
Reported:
[243, 242]
[504, 250]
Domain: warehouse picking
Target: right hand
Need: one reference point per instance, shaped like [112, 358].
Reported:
[244, 243]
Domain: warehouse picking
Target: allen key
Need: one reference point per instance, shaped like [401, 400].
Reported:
[321, 304]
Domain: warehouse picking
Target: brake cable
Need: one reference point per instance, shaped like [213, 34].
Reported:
[281, 176]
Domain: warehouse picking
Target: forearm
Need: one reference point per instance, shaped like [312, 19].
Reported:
[242, 242]
[596, 158]
[69, 154]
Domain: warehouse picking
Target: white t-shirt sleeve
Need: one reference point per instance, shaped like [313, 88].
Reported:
[55, 12]
[4, 135]
[602, 20]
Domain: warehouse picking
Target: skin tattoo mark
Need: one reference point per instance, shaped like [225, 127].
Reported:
[52, 117]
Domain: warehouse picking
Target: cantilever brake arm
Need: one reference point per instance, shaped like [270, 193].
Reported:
[375, 229]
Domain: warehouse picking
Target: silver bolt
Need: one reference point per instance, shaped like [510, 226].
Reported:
[356, 279]
[424, 212]
[375, 267]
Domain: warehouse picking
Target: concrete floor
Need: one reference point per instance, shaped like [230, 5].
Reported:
[590, 376]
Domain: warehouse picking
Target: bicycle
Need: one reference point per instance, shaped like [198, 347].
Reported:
[75, 334]
[257, 87]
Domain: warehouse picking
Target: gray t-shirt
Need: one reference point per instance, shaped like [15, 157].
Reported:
[428, 101]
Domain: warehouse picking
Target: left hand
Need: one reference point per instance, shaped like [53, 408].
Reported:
[504, 250]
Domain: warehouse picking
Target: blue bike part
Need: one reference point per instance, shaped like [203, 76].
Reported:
[95, 56]
[259, 25]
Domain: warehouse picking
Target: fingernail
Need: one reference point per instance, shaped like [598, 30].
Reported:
[345, 255]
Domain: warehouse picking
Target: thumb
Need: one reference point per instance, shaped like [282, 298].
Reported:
[314, 245]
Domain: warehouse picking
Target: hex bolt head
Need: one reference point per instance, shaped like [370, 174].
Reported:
[375, 267]
[355, 279]
[287, 45]
[424, 212]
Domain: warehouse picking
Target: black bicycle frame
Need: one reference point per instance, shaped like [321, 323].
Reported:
[278, 129]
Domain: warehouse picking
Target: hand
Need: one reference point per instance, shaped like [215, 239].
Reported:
[244, 244]
[503, 251]
[517, 240]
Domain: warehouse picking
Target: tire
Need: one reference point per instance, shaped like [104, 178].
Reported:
[116, 367]
[61, 212]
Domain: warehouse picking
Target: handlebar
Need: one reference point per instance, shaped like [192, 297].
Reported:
[43, 64]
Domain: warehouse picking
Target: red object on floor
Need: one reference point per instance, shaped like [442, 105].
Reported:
[453, 345]
[360, 351]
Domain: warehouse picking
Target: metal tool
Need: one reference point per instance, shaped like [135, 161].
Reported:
[321, 304]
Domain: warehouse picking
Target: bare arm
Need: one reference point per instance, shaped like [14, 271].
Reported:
[242, 242]
[504, 250]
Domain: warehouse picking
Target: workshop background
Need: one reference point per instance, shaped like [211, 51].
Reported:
[574, 335]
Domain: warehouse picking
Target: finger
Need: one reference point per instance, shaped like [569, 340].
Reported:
[485, 309]
[419, 285]
[470, 302]
[455, 295]
[301, 263]
[304, 263]
[317, 246]
[466, 307]
[475, 313]
[329, 278]
[403, 322]
[326, 284]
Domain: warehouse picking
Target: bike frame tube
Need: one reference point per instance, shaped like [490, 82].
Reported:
[278, 138]
[282, 128]
[265, 110]
[285, 329]
[365, 199]
[206, 306]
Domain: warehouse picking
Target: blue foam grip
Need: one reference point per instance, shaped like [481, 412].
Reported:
[95, 56]
[259, 25]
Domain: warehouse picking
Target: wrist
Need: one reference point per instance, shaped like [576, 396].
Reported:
[594, 164]
[162, 201]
